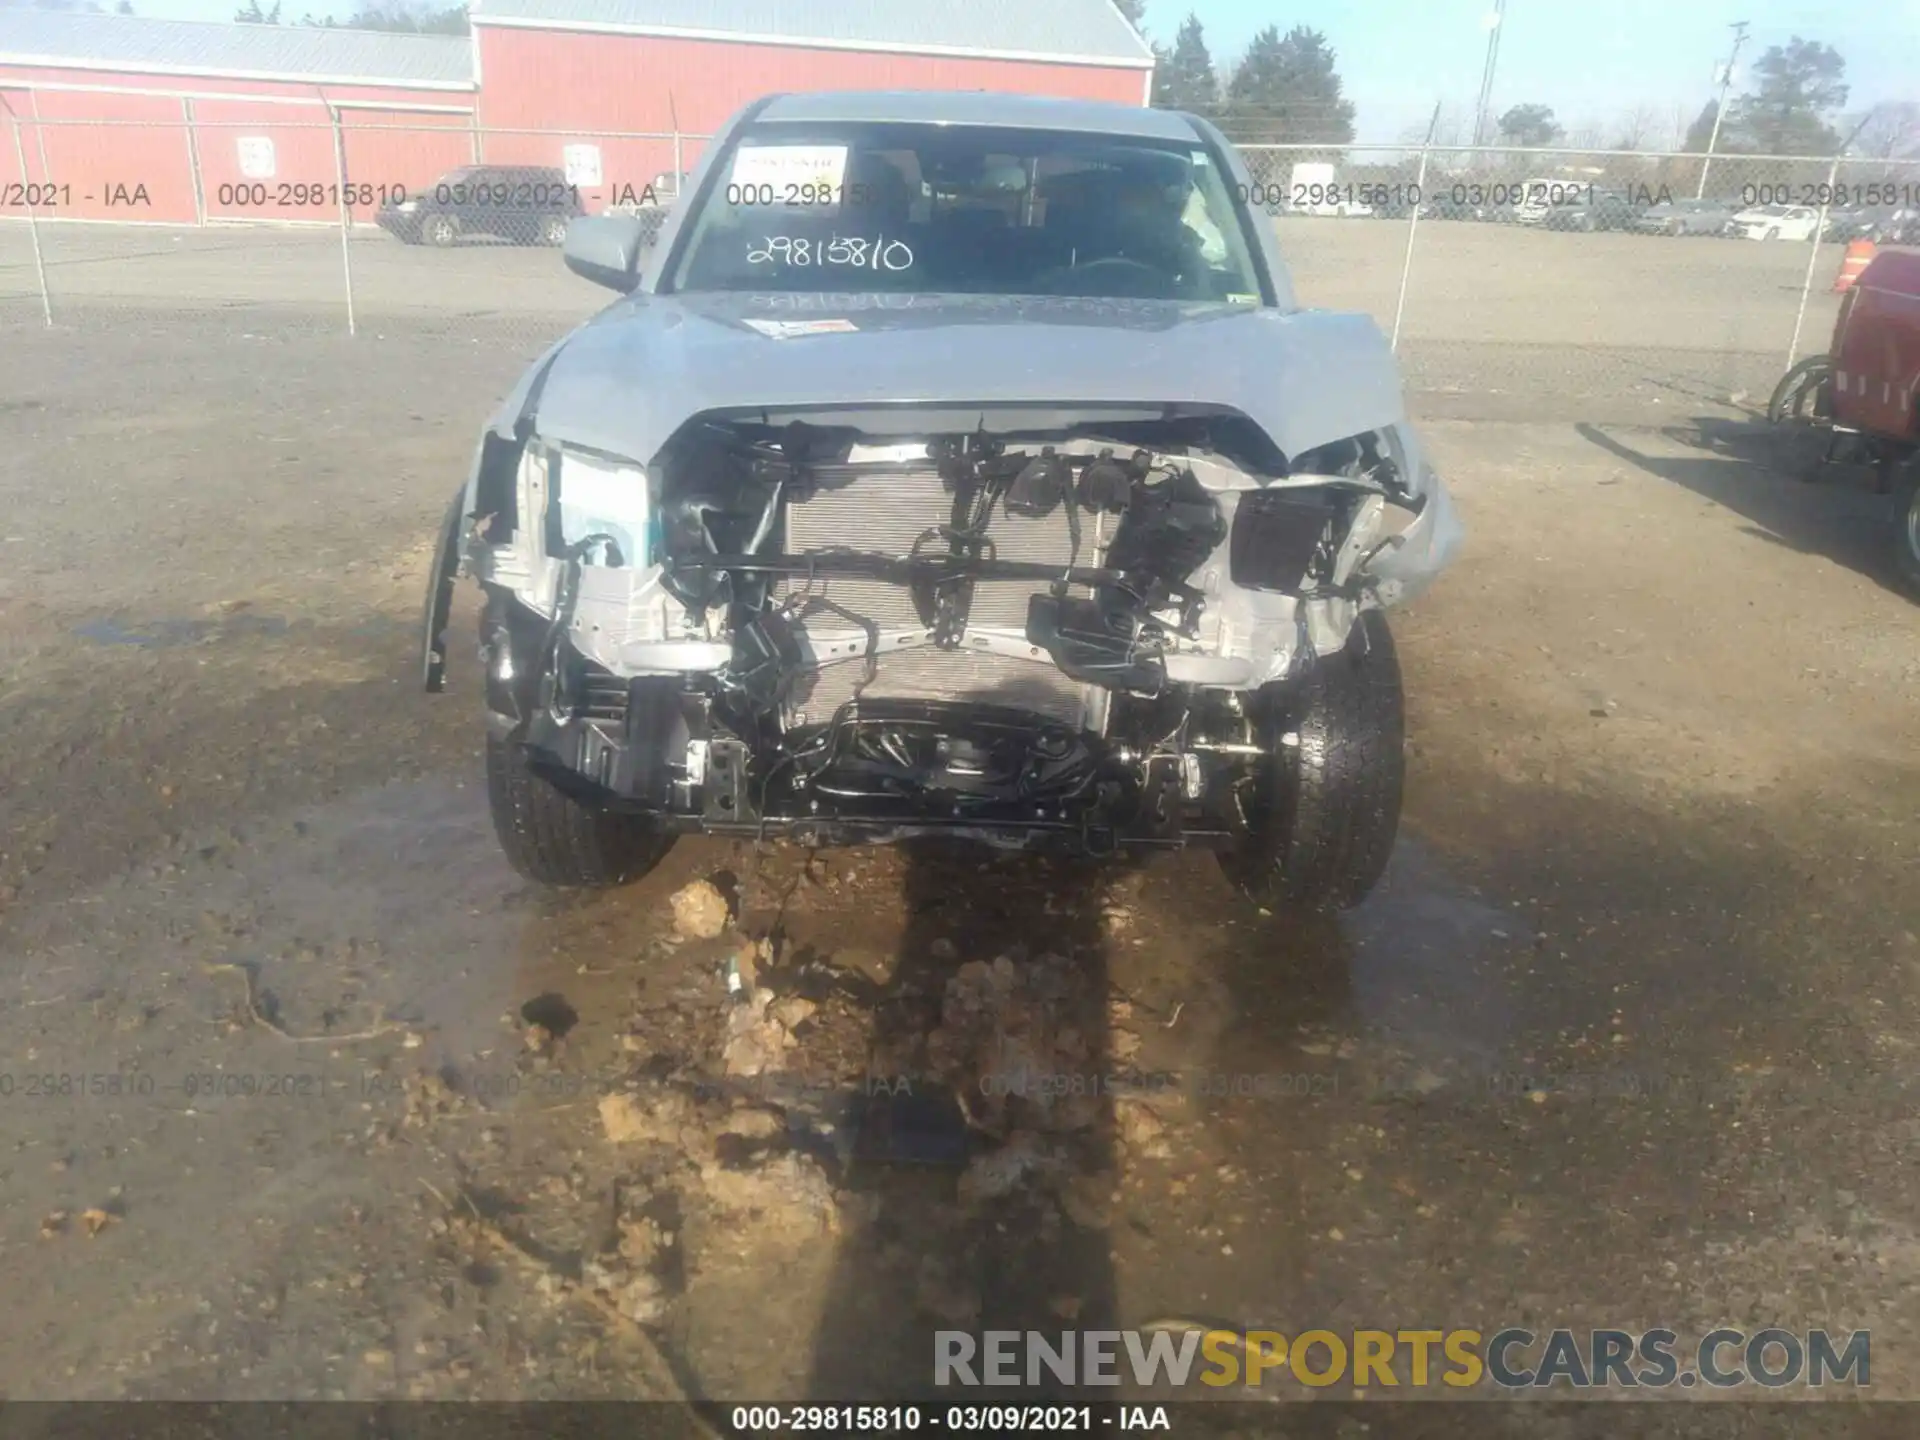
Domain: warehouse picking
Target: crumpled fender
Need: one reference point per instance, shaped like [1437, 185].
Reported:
[1420, 552]
[512, 419]
[441, 577]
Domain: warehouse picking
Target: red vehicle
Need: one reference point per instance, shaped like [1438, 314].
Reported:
[1866, 392]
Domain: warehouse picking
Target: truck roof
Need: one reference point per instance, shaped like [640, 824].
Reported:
[979, 107]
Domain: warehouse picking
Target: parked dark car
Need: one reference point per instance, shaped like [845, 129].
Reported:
[1853, 223]
[1882, 224]
[1597, 212]
[527, 204]
[1447, 206]
[1686, 217]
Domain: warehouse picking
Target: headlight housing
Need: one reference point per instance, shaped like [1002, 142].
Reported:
[598, 495]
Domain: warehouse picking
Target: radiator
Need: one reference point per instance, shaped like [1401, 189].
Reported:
[886, 513]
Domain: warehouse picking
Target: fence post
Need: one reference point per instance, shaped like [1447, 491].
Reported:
[340, 181]
[33, 221]
[1413, 224]
[39, 136]
[1813, 259]
[193, 163]
[1819, 232]
[1406, 262]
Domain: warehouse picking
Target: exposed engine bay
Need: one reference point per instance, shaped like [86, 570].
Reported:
[874, 624]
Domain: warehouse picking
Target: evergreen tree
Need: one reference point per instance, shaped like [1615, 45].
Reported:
[1530, 125]
[1701, 130]
[1801, 83]
[409, 17]
[1184, 79]
[1285, 90]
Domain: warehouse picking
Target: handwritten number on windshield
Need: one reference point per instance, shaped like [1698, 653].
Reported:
[848, 251]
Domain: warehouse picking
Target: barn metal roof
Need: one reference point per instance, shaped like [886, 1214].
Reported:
[309, 53]
[1086, 32]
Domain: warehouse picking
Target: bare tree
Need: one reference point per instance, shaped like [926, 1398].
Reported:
[1456, 121]
[1638, 128]
[1448, 128]
[1891, 131]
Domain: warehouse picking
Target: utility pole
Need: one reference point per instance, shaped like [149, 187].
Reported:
[1494, 22]
[1739, 28]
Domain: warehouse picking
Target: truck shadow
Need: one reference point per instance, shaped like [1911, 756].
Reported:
[1777, 483]
[1000, 986]
[1030, 1004]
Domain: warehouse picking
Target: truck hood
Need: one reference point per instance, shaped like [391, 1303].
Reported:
[625, 381]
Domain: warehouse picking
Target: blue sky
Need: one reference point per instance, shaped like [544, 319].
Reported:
[1593, 63]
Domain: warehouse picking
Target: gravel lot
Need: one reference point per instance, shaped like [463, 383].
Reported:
[1626, 1039]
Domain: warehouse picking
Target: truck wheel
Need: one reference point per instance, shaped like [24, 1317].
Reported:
[1322, 811]
[556, 838]
[1906, 529]
[441, 230]
[1804, 394]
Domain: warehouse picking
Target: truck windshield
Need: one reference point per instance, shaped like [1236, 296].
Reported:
[916, 208]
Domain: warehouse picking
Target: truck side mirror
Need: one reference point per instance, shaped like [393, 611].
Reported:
[606, 249]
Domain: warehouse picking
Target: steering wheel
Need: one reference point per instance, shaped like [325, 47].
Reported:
[1151, 283]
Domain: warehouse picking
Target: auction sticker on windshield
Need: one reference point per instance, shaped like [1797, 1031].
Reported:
[784, 173]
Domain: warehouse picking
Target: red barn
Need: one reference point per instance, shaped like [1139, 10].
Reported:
[597, 70]
[219, 121]
[112, 117]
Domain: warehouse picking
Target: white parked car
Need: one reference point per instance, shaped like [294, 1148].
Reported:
[1339, 209]
[1775, 222]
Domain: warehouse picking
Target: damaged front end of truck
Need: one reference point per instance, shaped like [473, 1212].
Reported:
[1057, 524]
[1067, 628]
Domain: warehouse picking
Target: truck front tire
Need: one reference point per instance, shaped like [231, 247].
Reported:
[1906, 528]
[555, 837]
[1323, 811]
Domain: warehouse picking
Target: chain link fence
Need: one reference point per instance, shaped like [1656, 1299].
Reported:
[1516, 278]
[1513, 282]
[336, 219]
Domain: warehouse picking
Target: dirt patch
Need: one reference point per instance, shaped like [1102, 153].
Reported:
[1626, 1029]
